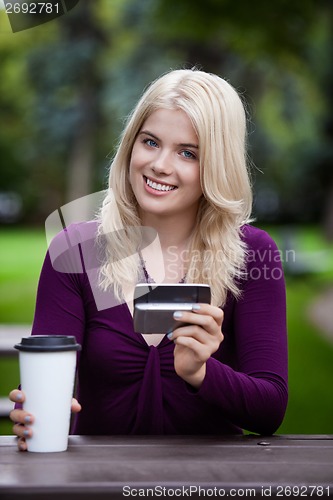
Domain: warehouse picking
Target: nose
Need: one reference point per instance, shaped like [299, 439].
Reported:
[162, 163]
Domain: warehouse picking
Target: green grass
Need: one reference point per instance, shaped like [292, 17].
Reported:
[310, 406]
[21, 256]
[9, 379]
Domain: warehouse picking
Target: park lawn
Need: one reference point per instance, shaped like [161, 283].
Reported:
[310, 406]
[21, 256]
[22, 253]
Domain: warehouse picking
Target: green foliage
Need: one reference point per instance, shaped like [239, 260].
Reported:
[80, 75]
[253, 28]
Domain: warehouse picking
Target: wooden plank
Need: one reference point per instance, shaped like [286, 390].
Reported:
[99, 467]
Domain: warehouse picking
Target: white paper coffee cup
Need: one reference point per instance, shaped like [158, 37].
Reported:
[47, 372]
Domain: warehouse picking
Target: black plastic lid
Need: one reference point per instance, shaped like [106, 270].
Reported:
[48, 343]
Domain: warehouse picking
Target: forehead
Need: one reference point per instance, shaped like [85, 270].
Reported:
[172, 123]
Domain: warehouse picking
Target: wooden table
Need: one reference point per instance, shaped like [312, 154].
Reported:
[185, 467]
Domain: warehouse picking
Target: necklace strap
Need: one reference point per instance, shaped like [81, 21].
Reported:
[146, 275]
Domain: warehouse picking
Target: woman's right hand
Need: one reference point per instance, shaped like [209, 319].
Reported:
[22, 418]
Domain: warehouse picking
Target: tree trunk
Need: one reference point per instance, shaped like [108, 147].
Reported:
[328, 216]
[80, 167]
[85, 39]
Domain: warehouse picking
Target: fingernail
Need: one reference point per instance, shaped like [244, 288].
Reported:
[18, 396]
[22, 447]
[177, 314]
[196, 307]
[26, 433]
[169, 335]
[27, 419]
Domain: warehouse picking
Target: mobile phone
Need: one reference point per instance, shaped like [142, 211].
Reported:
[154, 304]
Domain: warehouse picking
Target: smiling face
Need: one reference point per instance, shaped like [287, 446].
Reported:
[164, 166]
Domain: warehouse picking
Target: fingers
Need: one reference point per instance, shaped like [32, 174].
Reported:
[22, 419]
[207, 310]
[204, 315]
[76, 407]
[202, 351]
[17, 396]
[21, 431]
[203, 319]
[207, 317]
[19, 416]
[194, 332]
[22, 445]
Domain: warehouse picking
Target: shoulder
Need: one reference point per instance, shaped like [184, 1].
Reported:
[82, 231]
[256, 238]
[261, 248]
[67, 248]
[74, 233]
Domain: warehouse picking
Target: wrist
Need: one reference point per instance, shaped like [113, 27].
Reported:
[196, 379]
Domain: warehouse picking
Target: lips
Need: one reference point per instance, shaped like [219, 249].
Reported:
[159, 186]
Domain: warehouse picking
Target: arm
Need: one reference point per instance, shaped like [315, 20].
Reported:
[60, 302]
[59, 310]
[254, 395]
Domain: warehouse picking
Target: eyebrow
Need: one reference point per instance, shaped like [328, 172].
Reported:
[183, 145]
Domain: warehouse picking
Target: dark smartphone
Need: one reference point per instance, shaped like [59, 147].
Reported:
[154, 304]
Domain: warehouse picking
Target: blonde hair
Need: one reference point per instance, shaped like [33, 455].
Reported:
[219, 120]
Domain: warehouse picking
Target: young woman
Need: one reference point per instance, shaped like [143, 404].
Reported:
[180, 169]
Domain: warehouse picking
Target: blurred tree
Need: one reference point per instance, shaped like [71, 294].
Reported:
[16, 100]
[87, 69]
[67, 82]
[326, 163]
[274, 50]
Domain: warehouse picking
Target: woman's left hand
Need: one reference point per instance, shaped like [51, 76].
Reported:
[195, 343]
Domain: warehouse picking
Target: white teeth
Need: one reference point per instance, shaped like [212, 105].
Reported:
[159, 187]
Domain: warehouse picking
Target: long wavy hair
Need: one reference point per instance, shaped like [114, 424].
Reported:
[218, 117]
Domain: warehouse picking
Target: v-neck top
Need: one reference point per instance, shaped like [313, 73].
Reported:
[126, 386]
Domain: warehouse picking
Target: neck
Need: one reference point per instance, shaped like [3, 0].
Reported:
[173, 231]
[165, 259]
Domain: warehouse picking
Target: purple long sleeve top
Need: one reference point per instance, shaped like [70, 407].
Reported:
[128, 387]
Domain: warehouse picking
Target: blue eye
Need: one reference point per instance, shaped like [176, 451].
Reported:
[188, 154]
[151, 143]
